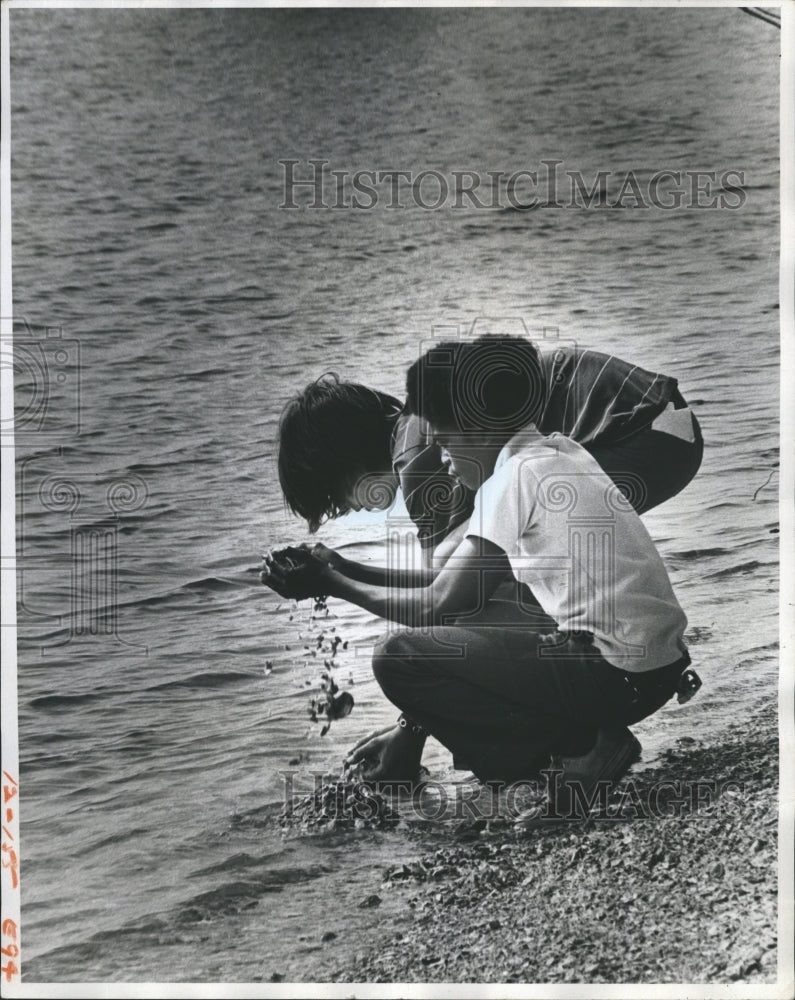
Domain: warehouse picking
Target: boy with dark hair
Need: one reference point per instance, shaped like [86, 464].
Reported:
[343, 446]
[332, 436]
[506, 700]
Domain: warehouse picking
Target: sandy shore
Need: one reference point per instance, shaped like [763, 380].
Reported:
[676, 882]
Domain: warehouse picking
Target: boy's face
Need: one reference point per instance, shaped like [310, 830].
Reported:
[469, 456]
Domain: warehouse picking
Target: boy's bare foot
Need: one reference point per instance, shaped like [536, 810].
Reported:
[393, 754]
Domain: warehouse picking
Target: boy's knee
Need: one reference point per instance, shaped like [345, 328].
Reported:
[393, 646]
[392, 658]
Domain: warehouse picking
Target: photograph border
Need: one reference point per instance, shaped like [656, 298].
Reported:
[11, 900]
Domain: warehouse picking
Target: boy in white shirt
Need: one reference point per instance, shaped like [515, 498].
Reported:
[508, 700]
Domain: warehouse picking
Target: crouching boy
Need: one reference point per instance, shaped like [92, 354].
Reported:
[510, 701]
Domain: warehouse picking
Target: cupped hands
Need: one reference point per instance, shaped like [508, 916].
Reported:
[294, 572]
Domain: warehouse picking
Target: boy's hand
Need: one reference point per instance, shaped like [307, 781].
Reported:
[326, 555]
[393, 754]
[294, 573]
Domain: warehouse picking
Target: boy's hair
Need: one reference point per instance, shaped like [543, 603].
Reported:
[330, 434]
[494, 383]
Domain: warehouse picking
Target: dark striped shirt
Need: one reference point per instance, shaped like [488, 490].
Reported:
[598, 397]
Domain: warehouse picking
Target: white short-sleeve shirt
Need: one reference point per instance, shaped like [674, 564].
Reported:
[573, 538]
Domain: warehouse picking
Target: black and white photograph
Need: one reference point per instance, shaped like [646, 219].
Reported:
[397, 563]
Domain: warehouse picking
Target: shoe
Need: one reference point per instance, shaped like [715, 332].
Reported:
[582, 781]
[576, 784]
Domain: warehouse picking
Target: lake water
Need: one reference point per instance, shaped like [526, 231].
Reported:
[184, 307]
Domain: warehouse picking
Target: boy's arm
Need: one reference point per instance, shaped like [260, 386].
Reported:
[390, 576]
[448, 545]
[463, 585]
[379, 576]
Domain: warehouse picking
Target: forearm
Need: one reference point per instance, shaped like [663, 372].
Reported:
[464, 584]
[410, 606]
[386, 576]
[432, 562]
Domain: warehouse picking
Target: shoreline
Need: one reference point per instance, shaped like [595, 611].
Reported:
[689, 896]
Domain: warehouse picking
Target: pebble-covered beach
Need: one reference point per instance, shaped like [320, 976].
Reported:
[684, 891]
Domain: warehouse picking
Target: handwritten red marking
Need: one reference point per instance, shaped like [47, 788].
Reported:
[10, 949]
[12, 864]
[9, 970]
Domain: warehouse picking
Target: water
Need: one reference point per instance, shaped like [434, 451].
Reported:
[146, 226]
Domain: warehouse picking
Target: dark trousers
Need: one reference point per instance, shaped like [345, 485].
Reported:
[501, 705]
